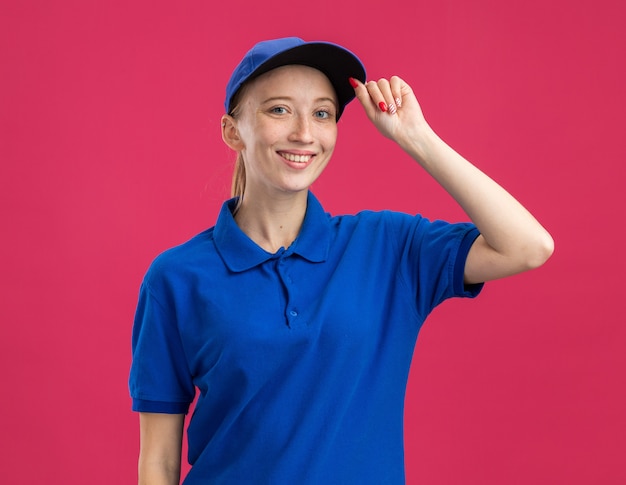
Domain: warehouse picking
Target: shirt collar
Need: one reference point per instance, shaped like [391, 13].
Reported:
[240, 253]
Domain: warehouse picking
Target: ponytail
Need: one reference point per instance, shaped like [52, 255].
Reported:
[239, 180]
[239, 172]
[239, 177]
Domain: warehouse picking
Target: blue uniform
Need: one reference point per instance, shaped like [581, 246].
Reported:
[301, 357]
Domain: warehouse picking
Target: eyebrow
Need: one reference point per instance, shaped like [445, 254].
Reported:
[288, 98]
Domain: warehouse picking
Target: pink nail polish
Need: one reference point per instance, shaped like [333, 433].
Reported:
[353, 82]
[382, 106]
[392, 109]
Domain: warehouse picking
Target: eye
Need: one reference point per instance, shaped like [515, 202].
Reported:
[278, 110]
[322, 114]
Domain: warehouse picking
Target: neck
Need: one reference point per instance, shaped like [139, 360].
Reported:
[272, 223]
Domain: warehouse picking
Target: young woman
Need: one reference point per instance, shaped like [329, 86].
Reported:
[296, 327]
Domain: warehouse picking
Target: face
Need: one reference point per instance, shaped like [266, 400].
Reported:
[286, 123]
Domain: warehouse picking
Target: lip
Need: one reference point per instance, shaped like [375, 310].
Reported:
[295, 156]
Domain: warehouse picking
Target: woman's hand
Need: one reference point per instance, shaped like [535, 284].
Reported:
[393, 108]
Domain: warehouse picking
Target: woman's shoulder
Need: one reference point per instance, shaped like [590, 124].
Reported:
[196, 250]
[399, 225]
[375, 218]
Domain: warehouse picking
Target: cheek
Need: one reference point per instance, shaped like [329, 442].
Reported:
[267, 136]
[260, 139]
[328, 138]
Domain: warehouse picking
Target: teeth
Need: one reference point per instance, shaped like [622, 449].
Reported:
[296, 158]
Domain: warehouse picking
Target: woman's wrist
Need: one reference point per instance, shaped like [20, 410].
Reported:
[419, 143]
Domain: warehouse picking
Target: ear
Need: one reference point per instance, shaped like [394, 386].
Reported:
[230, 133]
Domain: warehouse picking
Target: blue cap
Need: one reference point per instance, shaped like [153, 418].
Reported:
[336, 62]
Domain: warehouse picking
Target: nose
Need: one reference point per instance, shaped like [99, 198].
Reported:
[301, 130]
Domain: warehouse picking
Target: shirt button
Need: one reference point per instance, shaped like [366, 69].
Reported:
[293, 313]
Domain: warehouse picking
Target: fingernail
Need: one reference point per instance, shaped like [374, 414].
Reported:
[382, 106]
[398, 102]
[392, 109]
[353, 82]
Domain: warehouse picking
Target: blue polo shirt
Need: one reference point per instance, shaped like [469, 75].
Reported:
[301, 357]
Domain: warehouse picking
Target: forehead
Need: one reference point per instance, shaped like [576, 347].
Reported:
[287, 80]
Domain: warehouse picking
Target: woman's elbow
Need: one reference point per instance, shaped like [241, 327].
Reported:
[539, 251]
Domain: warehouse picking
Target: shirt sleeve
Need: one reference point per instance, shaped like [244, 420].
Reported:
[160, 381]
[432, 259]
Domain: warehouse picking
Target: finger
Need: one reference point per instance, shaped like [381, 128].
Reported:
[395, 84]
[386, 94]
[376, 90]
[385, 88]
[375, 95]
[363, 95]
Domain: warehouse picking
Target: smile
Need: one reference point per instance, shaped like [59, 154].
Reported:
[295, 158]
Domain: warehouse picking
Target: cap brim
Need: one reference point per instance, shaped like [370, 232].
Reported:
[336, 62]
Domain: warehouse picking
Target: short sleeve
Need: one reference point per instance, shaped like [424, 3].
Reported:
[460, 287]
[433, 255]
[159, 380]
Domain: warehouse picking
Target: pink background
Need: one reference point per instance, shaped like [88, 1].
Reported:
[110, 152]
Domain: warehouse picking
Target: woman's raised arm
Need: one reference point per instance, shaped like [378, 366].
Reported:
[511, 239]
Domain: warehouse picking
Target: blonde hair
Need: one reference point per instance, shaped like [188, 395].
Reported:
[239, 179]
[238, 185]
